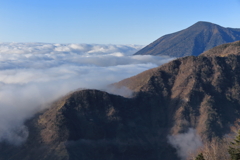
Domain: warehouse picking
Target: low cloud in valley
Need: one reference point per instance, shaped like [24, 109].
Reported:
[34, 74]
[185, 143]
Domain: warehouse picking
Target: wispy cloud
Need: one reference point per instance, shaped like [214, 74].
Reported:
[33, 74]
[185, 143]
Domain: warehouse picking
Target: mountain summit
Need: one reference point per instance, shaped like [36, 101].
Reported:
[194, 40]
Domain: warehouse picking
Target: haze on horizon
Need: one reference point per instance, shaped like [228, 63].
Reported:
[108, 22]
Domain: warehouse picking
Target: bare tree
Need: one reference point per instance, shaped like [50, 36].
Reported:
[216, 149]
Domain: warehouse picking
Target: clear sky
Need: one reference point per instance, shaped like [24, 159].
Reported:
[108, 21]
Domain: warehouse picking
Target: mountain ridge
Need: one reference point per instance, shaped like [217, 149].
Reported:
[224, 50]
[193, 40]
[190, 92]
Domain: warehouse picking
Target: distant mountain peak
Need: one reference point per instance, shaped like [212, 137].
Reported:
[204, 23]
[193, 40]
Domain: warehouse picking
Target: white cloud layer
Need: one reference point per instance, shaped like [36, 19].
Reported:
[33, 74]
[185, 143]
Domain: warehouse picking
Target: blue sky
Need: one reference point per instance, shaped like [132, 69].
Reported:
[108, 21]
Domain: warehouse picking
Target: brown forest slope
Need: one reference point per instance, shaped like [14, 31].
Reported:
[204, 91]
[193, 40]
[192, 92]
[224, 50]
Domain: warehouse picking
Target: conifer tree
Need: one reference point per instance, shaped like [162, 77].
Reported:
[234, 148]
[200, 157]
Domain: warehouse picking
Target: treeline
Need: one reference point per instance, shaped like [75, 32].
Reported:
[227, 148]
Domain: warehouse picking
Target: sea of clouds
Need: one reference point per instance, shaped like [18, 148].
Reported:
[34, 74]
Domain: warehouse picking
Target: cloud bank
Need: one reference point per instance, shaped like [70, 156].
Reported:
[185, 143]
[34, 74]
